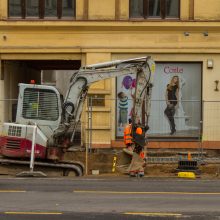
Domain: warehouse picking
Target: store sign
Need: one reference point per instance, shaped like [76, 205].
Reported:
[175, 69]
[186, 113]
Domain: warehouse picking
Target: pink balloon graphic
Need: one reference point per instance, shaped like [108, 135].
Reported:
[133, 83]
[127, 82]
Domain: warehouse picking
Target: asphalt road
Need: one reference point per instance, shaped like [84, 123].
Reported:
[108, 198]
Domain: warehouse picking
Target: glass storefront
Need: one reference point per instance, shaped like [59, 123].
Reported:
[182, 115]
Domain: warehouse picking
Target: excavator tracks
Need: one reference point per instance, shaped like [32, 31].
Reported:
[67, 166]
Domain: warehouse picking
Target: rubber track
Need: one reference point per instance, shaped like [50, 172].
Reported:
[76, 166]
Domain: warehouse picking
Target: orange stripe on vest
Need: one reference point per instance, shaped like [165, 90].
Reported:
[127, 135]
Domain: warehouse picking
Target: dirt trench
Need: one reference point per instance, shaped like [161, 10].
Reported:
[102, 161]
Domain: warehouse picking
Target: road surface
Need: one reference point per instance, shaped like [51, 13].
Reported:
[108, 198]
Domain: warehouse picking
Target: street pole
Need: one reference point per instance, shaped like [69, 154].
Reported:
[32, 173]
[33, 148]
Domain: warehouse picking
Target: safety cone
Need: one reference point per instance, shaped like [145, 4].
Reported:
[189, 157]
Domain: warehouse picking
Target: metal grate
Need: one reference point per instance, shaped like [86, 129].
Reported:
[40, 104]
[13, 144]
[14, 131]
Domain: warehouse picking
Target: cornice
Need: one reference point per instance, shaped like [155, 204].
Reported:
[112, 25]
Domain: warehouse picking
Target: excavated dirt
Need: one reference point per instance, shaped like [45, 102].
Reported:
[103, 162]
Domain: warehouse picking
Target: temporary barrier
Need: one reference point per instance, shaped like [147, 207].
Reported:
[188, 165]
[190, 175]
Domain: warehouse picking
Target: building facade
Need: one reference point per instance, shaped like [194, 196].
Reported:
[182, 36]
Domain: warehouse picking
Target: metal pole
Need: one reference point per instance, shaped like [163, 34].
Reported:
[90, 129]
[200, 139]
[201, 133]
[87, 144]
[32, 173]
[90, 122]
[33, 148]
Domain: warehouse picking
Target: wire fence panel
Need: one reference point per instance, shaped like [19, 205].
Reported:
[8, 108]
[105, 119]
[211, 121]
[184, 118]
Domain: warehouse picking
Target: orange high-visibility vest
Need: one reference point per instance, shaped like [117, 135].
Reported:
[127, 134]
[142, 155]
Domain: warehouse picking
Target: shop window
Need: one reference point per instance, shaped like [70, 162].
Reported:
[96, 100]
[158, 9]
[43, 9]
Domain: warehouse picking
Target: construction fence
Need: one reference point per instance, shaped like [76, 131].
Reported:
[103, 120]
[185, 117]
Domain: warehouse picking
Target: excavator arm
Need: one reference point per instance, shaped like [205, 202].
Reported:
[81, 80]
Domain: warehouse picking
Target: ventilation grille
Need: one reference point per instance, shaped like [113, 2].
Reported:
[13, 144]
[40, 104]
[14, 131]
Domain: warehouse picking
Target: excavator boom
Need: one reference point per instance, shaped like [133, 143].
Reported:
[142, 67]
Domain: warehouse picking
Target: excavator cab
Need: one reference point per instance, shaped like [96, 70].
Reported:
[38, 104]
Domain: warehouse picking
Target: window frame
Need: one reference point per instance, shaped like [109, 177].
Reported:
[24, 107]
[41, 14]
[163, 15]
[96, 100]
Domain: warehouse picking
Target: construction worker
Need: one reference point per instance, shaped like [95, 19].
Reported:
[140, 139]
[137, 165]
[128, 135]
[138, 162]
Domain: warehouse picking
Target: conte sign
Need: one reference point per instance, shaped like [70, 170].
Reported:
[169, 69]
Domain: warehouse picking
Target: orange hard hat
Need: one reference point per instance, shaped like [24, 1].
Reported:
[139, 130]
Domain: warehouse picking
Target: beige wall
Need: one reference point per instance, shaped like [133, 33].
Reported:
[207, 10]
[3, 9]
[122, 37]
[101, 9]
[101, 124]
[80, 9]
[123, 9]
[184, 9]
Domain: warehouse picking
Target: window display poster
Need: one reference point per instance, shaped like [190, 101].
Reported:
[175, 102]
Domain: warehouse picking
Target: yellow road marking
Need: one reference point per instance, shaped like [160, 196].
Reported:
[169, 193]
[12, 191]
[33, 213]
[152, 214]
